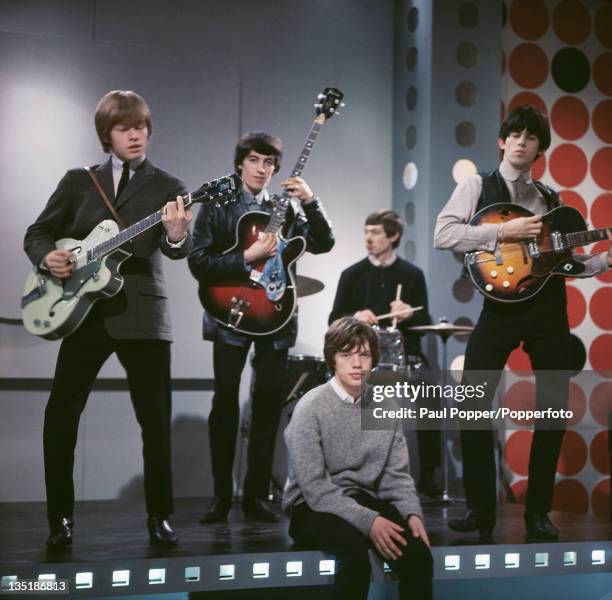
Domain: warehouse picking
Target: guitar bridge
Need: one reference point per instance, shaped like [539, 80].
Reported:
[237, 310]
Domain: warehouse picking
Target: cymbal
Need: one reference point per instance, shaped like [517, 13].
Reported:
[444, 329]
[306, 286]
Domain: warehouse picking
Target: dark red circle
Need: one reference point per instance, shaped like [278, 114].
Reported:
[602, 67]
[571, 21]
[527, 98]
[574, 199]
[519, 362]
[529, 18]
[570, 496]
[601, 167]
[569, 117]
[600, 354]
[521, 396]
[568, 165]
[574, 454]
[603, 246]
[538, 167]
[600, 457]
[517, 449]
[528, 65]
[600, 308]
[600, 402]
[602, 120]
[519, 489]
[577, 403]
[576, 306]
[600, 499]
[603, 30]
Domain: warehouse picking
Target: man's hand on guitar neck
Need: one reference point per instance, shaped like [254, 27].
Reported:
[176, 219]
[59, 263]
[262, 249]
[520, 228]
[296, 187]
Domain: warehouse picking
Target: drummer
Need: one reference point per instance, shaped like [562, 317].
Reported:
[368, 290]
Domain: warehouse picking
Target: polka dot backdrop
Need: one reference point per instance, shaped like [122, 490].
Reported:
[556, 55]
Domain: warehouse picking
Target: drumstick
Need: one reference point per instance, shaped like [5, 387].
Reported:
[398, 293]
[394, 314]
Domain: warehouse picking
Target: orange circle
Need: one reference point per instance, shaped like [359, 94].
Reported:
[529, 18]
[528, 65]
[569, 117]
[576, 306]
[601, 211]
[527, 98]
[599, 308]
[574, 199]
[600, 499]
[519, 488]
[600, 167]
[521, 396]
[574, 454]
[600, 402]
[577, 403]
[517, 449]
[602, 67]
[571, 22]
[520, 362]
[600, 455]
[568, 165]
[602, 121]
[600, 354]
[538, 167]
[603, 246]
[570, 496]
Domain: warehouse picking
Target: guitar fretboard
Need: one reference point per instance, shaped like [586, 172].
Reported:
[584, 238]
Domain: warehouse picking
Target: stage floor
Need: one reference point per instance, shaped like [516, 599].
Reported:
[110, 537]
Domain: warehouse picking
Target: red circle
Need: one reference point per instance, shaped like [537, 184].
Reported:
[603, 31]
[603, 246]
[571, 22]
[574, 454]
[519, 489]
[602, 67]
[574, 199]
[601, 211]
[521, 396]
[600, 354]
[601, 402]
[576, 306]
[569, 117]
[600, 499]
[599, 308]
[520, 362]
[577, 403]
[602, 121]
[568, 165]
[528, 65]
[538, 167]
[527, 98]
[601, 167]
[517, 449]
[529, 18]
[570, 496]
[600, 456]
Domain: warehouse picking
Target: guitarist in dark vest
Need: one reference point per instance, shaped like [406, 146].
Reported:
[540, 323]
[134, 324]
[257, 158]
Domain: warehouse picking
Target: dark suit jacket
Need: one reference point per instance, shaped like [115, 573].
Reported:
[140, 310]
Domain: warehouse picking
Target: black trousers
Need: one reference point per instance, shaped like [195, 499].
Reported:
[269, 366]
[544, 331]
[330, 533]
[147, 364]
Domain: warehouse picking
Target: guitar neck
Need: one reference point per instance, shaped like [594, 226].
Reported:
[584, 238]
[278, 216]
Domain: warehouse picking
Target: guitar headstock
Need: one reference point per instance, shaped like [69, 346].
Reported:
[220, 191]
[328, 103]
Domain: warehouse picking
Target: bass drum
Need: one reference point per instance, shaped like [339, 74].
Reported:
[304, 372]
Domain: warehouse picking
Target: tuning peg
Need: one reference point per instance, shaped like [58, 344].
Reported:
[318, 106]
[342, 104]
[320, 96]
[332, 109]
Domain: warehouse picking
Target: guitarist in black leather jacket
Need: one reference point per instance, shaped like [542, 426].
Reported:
[257, 158]
[539, 323]
[134, 324]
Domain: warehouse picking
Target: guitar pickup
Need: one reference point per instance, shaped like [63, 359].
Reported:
[557, 242]
[533, 249]
[38, 292]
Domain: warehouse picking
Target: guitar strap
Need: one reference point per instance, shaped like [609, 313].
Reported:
[108, 203]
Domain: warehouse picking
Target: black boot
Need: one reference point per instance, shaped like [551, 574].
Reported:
[540, 528]
[217, 513]
[161, 532]
[60, 534]
[481, 520]
[256, 510]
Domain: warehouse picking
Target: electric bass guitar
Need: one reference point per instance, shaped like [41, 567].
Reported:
[53, 308]
[263, 301]
[518, 270]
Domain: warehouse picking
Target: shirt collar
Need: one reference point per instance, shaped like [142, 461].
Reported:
[258, 199]
[342, 393]
[380, 263]
[511, 174]
[118, 163]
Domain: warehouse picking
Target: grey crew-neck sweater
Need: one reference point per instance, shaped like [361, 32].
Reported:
[330, 456]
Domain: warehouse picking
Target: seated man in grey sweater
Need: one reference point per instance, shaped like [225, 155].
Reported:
[349, 489]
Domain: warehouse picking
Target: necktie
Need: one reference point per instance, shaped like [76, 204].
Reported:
[521, 188]
[125, 177]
